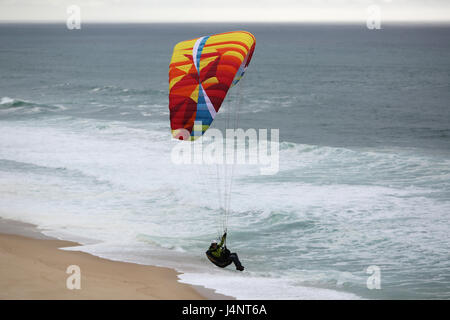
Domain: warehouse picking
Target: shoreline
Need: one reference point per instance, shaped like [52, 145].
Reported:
[34, 267]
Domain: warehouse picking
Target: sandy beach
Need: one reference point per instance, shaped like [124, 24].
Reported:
[32, 266]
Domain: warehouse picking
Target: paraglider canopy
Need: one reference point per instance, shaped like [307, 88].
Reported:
[200, 74]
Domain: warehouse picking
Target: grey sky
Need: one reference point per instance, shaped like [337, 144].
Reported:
[225, 10]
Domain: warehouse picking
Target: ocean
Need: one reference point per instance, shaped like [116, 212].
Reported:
[364, 162]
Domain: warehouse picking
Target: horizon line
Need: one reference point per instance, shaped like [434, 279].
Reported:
[393, 21]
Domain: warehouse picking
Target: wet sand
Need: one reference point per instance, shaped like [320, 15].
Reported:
[32, 266]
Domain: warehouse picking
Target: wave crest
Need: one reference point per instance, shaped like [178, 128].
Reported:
[18, 106]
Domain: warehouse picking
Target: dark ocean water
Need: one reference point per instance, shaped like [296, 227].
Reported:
[364, 119]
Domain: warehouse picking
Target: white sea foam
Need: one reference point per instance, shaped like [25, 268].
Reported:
[262, 288]
[6, 100]
[107, 182]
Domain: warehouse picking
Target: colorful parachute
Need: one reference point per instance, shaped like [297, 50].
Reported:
[201, 72]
